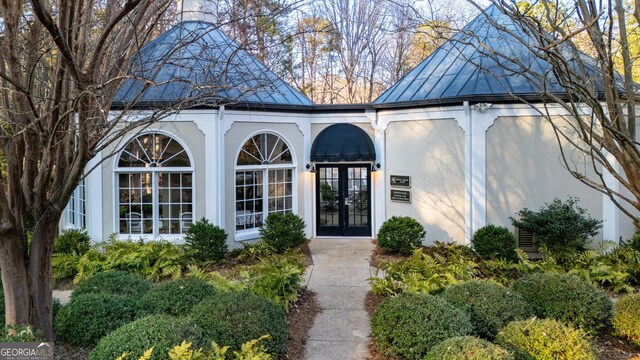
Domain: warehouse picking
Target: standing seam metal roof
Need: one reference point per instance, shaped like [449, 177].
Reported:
[196, 59]
[467, 66]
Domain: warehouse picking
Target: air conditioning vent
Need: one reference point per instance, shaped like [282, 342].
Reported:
[526, 241]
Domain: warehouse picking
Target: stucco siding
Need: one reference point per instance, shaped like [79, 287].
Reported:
[524, 169]
[432, 153]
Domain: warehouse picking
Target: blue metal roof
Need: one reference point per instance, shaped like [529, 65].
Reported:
[197, 59]
[484, 61]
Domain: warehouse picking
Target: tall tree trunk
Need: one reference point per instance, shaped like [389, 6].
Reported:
[14, 279]
[40, 274]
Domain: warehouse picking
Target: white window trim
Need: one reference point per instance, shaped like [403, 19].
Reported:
[175, 238]
[252, 234]
[72, 221]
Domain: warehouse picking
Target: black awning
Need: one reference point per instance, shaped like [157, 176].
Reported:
[342, 142]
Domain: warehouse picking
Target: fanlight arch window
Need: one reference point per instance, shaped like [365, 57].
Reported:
[264, 180]
[154, 186]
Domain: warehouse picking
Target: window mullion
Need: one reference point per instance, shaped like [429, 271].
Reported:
[155, 211]
[265, 194]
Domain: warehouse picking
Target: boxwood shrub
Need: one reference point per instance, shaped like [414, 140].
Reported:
[546, 339]
[626, 318]
[160, 332]
[489, 305]
[113, 282]
[176, 297]
[401, 234]
[495, 242]
[468, 348]
[206, 242]
[282, 231]
[409, 325]
[233, 318]
[89, 317]
[565, 297]
[72, 241]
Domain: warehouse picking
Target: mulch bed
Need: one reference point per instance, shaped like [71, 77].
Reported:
[300, 318]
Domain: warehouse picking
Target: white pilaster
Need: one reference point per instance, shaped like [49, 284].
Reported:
[93, 192]
[308, 196]
[209, 127]
[481, 121]
[610, 212]
[379, 178]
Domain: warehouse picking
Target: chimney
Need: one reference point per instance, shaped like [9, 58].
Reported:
[198, 10]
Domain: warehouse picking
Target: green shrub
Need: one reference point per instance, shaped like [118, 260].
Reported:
[565, 297]
[490, 306]
[64, 266]
[562, 228]
[467, 348]
[177, 297]
[633, 242]
[89, 317]
[206, 241]
[21, 333]
[545, 339]
[113, 282]
[282, 231]
[401, 234]
[495, 242]
[160, 332]
[72, 241]
[154, 260]
[231, 319]
[626, 318]
[409, 325]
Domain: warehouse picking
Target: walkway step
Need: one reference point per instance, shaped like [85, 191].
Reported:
[339, 278]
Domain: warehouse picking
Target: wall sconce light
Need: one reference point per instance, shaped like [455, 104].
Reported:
[375, 167]
[311, 168]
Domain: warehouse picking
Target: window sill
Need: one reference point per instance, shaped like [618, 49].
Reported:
[172, 238]
[247, 235]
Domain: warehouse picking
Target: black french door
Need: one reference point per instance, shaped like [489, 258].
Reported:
[343, 200]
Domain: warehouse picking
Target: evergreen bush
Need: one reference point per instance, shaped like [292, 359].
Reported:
[160, 332]
[545, 339]
[410, 325]
[566, 298]
[401, 234]
[176, 297]
[231, 319]
[282, 231]
[113, 282]
[495, 242]
[206, 241]
[89, 317]
[468, 348]
[72, 241]
[626, 318]
[489, 305]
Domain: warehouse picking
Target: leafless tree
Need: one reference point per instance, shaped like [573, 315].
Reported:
[591, 106]
[61, 64]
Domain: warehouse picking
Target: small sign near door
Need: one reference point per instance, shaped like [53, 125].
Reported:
[401, 181]
[402, 196]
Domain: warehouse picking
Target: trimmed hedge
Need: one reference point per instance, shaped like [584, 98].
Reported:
[401, 234]
[113, 282]
[495, 242]
[410, 325]
[565, 297]
[176, 297]
[546, 339]
[489, 305]
[282, 231]
[626, 318]
[468, 348]
[89, 317]
[160, 332]
[231, 319]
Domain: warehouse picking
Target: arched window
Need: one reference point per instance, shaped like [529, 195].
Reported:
[264, 180]
[154, 187]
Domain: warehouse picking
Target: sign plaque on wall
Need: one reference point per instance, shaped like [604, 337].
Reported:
[403, 196]
[401, 181]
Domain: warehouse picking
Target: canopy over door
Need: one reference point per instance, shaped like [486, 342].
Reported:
[342, 142]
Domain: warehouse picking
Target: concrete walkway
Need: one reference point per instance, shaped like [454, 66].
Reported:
[339, 277]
